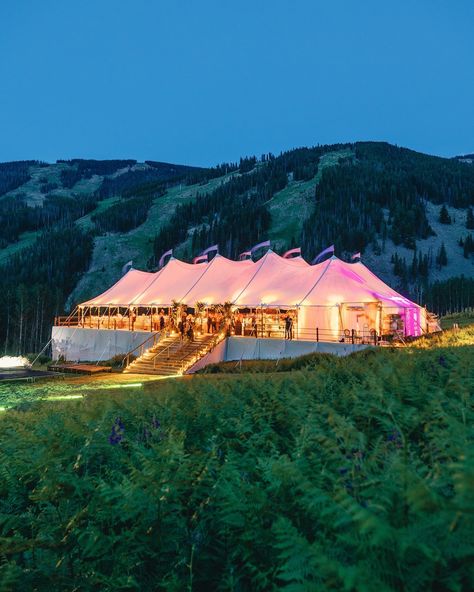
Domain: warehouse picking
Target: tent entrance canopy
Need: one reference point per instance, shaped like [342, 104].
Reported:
[332, 296]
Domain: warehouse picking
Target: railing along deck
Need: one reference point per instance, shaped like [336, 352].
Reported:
[354, 336]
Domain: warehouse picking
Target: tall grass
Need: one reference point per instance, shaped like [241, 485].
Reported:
[345, 474]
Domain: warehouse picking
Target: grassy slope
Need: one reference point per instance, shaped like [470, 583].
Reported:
[351, 473]
[112, 251]
[447, 233]
[291, 206]
[463, 319]
[26, 239]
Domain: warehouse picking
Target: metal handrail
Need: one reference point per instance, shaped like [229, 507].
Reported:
[208, 347]
[162, 350]
[152, 336]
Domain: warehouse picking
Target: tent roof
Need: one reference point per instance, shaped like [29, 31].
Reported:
[345, 282]
[221, 282]
[171, 283]
[271, 281]
[124, 291]
[277, 282]
[379, 285]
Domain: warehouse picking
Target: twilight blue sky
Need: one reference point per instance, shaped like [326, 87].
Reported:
[204, 81]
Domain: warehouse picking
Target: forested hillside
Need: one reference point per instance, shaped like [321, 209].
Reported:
[66, 229]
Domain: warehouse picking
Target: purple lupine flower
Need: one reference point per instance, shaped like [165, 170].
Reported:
[394, 437]
[117, 432]
[442, 361]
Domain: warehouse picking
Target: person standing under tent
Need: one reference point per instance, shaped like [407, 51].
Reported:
[254, 326]
[238, 326]
[214, 324]
[287, 326]
[209, 322]
[190, 329]
[162, 320]
[133, 317]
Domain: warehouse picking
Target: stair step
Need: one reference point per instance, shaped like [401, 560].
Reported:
[170, 356]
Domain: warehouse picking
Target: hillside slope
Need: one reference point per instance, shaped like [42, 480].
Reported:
[371, 197]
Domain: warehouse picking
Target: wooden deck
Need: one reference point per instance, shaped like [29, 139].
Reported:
[79, 368]
[26, 375]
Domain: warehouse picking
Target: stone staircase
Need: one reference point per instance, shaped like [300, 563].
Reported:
[171, 356]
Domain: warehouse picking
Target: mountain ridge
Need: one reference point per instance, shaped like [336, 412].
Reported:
[374, 197]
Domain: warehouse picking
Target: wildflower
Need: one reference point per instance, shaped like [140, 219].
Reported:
[116, 434]
[442, 361]
[395, 438]
[155, 423]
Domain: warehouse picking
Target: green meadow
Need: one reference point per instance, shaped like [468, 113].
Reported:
[318, 473]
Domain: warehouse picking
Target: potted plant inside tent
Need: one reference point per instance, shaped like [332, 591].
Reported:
[199, 309]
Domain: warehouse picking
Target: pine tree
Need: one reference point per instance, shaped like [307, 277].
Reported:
[444, 216]
[442, 257]
[468, 246]
[470, 219]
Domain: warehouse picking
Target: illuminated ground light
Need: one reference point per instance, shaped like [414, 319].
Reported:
[13, 363]
[62, 397]
[120, 386]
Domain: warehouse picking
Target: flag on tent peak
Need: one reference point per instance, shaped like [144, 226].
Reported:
[163, 257]
[323, 254]
[245, 255]
[296, 252]
[127, 267]
[210, 249]
[260, 245]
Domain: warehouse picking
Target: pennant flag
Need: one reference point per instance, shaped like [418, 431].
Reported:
[163, 257]
[200, 258]
[296, 252]
[210, 249]
[355, 256]
[264, 244]
[245, 255]
[127, 267]
[322, 254]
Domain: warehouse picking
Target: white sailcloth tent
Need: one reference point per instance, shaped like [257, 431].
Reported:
[332, 296]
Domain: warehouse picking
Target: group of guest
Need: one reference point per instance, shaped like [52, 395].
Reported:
[184, 323]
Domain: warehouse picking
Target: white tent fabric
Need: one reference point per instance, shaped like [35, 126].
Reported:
[124, 291]
[331, 294]
[277, 282]
[221, 282]
[171, 283]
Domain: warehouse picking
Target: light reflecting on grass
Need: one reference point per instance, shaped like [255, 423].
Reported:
[120, 386]
[14, 394]
[63, 397]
